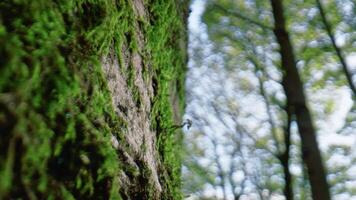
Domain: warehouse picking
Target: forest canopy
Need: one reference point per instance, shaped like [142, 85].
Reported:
[271, 93]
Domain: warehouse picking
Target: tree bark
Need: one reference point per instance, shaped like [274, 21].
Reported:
[296, 102]
[88, 96]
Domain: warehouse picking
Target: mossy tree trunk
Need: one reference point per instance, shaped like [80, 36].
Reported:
[88, 93]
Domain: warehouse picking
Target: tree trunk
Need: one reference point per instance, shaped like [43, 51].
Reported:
[91, 95]
[284, 159]
[288, 187]
[296, 101]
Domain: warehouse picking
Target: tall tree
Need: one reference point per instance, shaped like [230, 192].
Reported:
[296, 104]
[230, 23]
[296, 101]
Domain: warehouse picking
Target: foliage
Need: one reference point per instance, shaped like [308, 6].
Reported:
[240, 37]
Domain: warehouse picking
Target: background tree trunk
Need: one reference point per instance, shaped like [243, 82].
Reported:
[293, 88]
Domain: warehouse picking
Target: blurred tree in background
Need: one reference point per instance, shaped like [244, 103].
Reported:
[247, 108]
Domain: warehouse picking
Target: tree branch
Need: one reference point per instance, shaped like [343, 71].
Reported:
[337, 49]
[243, 17]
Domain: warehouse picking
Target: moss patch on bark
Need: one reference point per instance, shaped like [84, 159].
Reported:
[56, 113]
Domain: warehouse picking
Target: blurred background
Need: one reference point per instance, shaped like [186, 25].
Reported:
[244, 144]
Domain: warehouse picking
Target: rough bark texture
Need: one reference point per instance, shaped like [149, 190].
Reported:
[89, 93]
[293, 88]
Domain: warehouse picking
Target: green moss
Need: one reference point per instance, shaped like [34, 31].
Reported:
[56, 114]
[168, 61]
